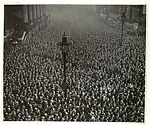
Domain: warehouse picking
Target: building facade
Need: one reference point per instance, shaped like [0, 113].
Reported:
[20, 17]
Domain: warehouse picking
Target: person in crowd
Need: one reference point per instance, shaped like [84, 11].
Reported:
[106, 81]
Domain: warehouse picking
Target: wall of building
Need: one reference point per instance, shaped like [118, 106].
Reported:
[22, 15]
[133, 12]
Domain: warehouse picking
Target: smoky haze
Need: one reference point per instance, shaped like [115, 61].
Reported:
[81, 16]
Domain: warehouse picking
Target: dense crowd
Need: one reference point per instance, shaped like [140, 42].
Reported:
[106, 76]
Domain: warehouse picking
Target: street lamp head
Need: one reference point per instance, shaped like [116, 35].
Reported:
[123, 17]
[64, 38]
[64, 34]
[123, 14]
[64, 44]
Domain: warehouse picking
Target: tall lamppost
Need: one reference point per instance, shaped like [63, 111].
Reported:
[123, 19]
[64, 46]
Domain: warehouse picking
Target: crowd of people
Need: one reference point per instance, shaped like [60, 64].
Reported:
[106, 76]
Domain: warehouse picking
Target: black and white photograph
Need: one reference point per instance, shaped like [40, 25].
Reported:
[74, 63]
